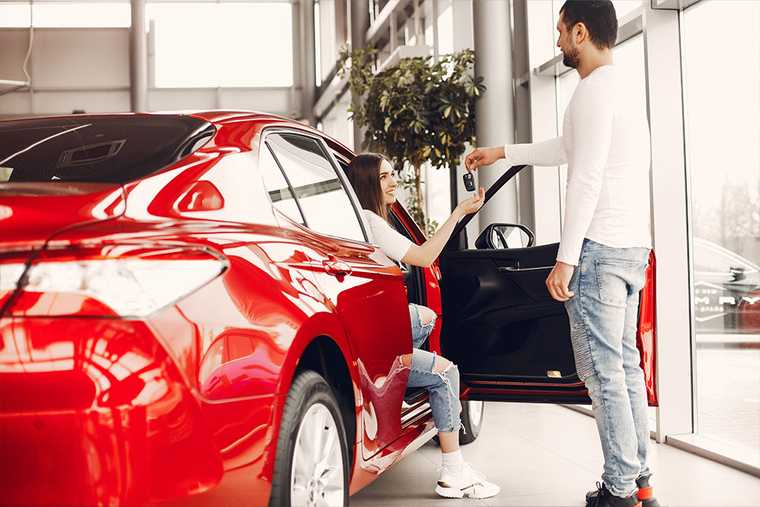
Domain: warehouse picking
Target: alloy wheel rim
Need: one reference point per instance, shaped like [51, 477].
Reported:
[316, 476]
[476, 412]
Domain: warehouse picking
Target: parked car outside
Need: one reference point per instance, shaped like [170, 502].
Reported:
[191, 314]
[726, 290]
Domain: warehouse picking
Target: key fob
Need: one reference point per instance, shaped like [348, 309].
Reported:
[469, 181]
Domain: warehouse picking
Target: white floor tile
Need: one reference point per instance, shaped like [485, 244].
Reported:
[547, 455]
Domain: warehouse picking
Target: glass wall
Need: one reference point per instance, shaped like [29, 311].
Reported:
[338, 124]
[237, 44]
[330, 33]
[722, 101]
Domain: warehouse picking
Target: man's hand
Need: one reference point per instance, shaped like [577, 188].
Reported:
[558, 281]
[483, 156]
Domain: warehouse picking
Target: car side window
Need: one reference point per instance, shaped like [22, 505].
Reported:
[324, 201]
[277, 186]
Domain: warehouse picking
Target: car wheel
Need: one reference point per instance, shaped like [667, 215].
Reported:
[311, 466]
[472, 421]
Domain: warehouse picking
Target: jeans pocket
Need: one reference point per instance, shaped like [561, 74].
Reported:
[612, 280]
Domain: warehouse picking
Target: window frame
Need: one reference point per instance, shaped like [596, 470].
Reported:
[330, 157]
[265, 146]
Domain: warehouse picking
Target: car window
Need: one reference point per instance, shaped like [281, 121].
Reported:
[709, 257]
[96, 149]
[277, 187]
[324, 201]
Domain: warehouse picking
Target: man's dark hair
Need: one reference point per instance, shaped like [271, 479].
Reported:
[599, 17]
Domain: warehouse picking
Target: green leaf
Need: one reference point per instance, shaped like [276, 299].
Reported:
[416, 112]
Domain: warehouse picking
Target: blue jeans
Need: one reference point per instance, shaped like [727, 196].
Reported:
[603, 318]
[420, 331]
[442, 387]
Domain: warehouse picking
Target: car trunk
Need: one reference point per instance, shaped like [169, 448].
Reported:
[31, 213]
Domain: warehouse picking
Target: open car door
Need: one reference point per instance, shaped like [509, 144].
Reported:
[510, 339]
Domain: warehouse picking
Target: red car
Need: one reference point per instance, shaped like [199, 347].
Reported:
[191, 313]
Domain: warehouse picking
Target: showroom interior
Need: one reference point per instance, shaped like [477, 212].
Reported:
[692, 65]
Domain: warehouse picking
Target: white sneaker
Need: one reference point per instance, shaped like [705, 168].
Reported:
[467, 483]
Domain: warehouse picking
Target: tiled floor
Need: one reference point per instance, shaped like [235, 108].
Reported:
[547, 455]
[729, 405]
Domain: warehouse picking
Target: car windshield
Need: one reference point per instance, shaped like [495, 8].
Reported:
[711, 257]
[97, 149]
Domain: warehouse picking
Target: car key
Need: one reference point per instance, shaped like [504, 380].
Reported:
[469, 181]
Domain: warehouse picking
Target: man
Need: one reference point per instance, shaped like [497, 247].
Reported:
[605, 243]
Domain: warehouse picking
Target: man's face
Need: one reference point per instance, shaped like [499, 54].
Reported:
[566, 43]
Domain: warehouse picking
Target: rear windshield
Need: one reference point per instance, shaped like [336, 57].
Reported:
[98, 149]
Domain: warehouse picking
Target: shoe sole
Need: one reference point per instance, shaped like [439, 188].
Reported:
[458, 493]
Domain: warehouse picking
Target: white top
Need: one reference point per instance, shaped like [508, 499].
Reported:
[394, 244]
[605, 143]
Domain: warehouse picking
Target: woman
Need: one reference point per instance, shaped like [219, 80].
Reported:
[371, 175]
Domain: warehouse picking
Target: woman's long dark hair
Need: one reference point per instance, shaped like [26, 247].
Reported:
[364, 175]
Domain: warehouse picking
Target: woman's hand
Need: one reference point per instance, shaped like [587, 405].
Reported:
[425, 254]
[474, 203]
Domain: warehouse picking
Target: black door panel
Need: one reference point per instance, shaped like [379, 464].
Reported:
[509, 338]
[503, 329]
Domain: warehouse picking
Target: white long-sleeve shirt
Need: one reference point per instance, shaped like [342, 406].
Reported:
[393, 243]
[605, 143]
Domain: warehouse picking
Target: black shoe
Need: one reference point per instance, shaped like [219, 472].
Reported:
[646, 493]
[603, 498]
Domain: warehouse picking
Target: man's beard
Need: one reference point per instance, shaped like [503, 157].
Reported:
[570, 58]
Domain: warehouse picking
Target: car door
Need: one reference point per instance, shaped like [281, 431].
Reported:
[364, 286]
[510, 339]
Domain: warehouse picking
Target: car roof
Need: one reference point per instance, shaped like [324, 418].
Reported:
[725, 252]
[216, 117]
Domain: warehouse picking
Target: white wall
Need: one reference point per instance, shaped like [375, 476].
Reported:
[88, 69]
[71, 68]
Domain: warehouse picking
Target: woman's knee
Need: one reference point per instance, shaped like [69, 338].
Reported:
[427, 316]
[442, 365]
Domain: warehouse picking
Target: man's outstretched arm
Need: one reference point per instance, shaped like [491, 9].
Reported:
[545, 153]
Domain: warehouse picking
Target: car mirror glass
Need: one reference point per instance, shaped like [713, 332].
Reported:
[511, 236]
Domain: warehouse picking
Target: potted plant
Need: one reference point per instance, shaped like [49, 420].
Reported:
[416, 111]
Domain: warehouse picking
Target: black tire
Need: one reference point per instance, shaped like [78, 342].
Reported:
[308, 388]
[470, 422]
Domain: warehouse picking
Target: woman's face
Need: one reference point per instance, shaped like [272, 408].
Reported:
[387, 183]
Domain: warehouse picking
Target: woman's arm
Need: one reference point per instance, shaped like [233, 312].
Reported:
[425, 254]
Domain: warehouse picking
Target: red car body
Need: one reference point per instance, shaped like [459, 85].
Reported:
[183, 404]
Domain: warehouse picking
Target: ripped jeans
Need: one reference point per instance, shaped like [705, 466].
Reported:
[443, 387]
[603, 320]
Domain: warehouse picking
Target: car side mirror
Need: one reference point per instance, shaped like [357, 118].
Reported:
[737, 273]
[502, 236]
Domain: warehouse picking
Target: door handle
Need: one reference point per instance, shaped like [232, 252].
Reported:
[517, 269]
[338, 269]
